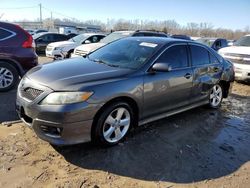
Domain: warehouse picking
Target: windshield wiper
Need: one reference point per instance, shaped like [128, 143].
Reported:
[103, 62]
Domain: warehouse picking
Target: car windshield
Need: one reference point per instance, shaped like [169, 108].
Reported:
[79, 38]
[125, 53]
[243, 41]
[115, 36]
[207, 42]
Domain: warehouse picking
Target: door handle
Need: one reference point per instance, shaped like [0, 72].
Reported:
[216, 69]
[188, 75]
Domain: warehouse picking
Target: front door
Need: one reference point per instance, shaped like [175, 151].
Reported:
[165, 91]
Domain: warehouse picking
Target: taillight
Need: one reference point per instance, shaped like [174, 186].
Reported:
[28, 43]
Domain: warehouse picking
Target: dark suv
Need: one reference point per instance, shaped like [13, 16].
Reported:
[17, 54]
[43, 39]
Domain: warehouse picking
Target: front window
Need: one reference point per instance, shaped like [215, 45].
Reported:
[125, 53]
[243, 41]
[115, 36]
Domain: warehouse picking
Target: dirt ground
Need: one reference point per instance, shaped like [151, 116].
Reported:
[197, 148]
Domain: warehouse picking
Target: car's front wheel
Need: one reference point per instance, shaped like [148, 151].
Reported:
[113, 124]
[216, 96]
[8, 76]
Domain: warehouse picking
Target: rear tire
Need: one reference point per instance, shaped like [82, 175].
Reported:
[8, 76]
[216, 96]
[112, 124]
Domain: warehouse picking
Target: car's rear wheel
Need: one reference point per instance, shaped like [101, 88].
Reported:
[8, 76]
[113, 124]
[216, 96]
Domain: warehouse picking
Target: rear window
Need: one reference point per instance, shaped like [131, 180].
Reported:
[199, 55]
[4, 34]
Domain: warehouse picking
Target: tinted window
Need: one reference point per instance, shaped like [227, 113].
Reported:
[213, 59]
[47, 38]
[60, 37]
[199, 55]
[4, 34]
[175, 56]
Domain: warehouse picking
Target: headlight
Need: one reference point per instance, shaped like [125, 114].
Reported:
[58, 48]
[58, 98]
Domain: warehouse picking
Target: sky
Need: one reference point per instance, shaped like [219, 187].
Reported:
[230, 14]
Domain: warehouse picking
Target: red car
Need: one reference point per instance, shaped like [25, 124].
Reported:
[17, 54]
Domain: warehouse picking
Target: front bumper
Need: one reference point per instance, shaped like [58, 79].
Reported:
[242, 72]
[57, 124]
[55, 54]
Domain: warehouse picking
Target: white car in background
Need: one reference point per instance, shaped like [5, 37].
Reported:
[64, 49]
[239, 55]
[87, 48]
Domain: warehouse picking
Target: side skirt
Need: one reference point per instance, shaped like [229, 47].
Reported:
[167, 114]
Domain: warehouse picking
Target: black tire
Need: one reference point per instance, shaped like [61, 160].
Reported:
[69, 54]
[13, 71]
[97, 130]
[217, 104]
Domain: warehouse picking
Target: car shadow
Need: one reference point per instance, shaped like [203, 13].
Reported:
[192, 146]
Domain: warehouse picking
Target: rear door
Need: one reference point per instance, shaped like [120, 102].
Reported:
[165, 91]
[207, 71]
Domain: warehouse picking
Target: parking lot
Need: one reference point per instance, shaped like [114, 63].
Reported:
[197, 148]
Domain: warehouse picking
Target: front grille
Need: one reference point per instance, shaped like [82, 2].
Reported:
[239, 61]
[237, 55]
[80, 52]
[31, 93]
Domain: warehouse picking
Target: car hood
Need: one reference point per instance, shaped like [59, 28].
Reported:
[75, 74]
[90, 47]
[62, 44]
[244, 50]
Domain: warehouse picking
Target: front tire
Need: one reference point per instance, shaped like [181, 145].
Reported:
[113, 124]
[8, 76]
[216, 96]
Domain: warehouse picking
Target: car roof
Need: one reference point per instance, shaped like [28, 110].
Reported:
[158, 40]
[90, 34]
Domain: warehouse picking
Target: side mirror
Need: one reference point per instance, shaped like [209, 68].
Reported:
[161, 67]
[87, 42]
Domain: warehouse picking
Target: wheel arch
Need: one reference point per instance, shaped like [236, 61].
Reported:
[226, 87]
[15, 64]
[126, 99]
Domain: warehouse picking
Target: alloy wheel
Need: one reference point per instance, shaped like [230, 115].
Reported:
[6, 77]
[116, 125]
[216, 96]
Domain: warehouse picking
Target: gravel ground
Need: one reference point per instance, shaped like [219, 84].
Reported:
[197, 148]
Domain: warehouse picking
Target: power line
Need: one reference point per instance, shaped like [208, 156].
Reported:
[58, 13]
[14, 8]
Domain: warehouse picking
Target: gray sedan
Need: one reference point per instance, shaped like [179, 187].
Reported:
[124, 84]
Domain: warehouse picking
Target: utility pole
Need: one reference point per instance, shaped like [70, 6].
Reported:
[51, 20]
[41, 18]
